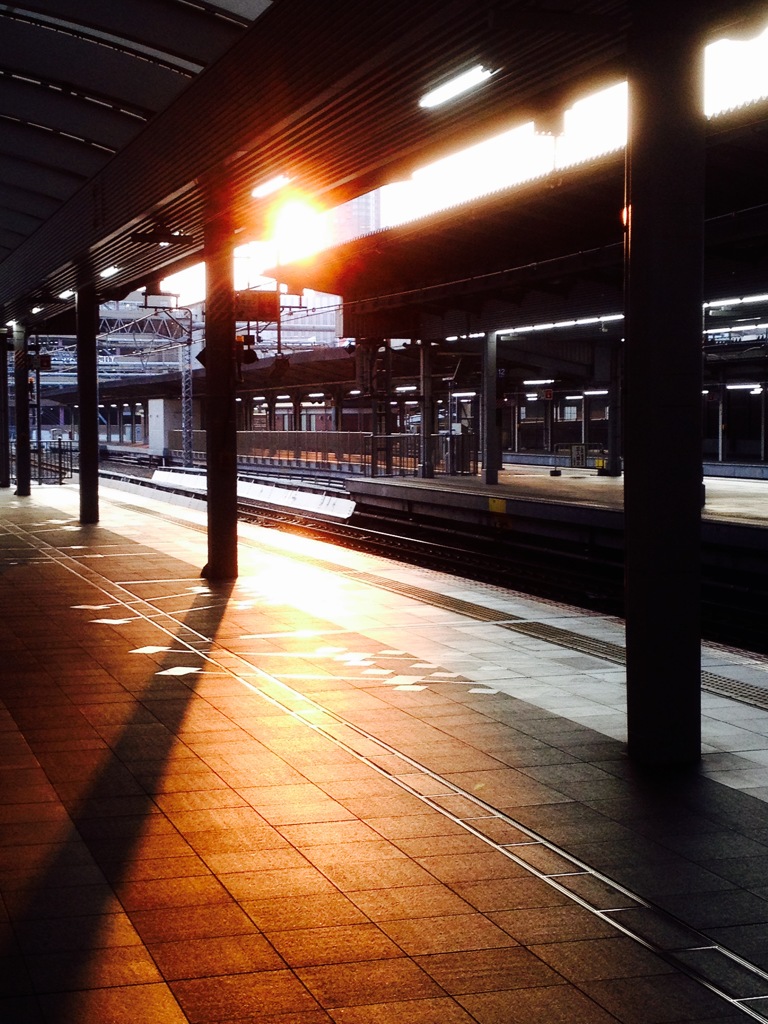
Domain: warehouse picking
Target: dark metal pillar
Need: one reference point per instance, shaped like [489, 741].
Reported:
[613, 461]
[427, 467]
[337, 408]
[5, 429]
[490, 427]
[221, 387]
[21, 387]
[87, 310]
[663, 473]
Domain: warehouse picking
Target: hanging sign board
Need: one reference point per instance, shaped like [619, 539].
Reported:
[262, 307]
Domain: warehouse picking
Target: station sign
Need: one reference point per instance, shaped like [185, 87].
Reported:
[261, 307]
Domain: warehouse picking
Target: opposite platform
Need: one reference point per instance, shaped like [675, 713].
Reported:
[348, 790]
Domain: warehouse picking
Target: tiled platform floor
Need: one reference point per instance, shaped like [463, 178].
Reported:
[337, 794]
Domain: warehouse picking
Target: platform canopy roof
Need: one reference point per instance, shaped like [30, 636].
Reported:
[119, 120]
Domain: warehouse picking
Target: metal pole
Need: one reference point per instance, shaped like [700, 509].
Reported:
[23, 460]
[662, 490]
[38, 412]
[427, 469]
[5, 433]
[185, 356]
[490, 430]
[221, 388]
[613, 462]
[87, 310]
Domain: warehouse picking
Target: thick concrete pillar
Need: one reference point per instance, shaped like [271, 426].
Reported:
[490, 426]
[663, 475]
[87, 312]
[21, 388]
[221, 386]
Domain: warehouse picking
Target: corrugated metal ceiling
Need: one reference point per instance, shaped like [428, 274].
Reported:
[119, 116]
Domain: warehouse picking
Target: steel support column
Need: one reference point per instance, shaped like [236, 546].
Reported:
[490, 427]
[221, 387]
[613, 462]
[5, 429]
[663, 473]
[21, 387]
[87, 312]
[427, 467]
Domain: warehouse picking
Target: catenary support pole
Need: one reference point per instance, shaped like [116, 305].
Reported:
[490, 427]
[87, 312]
[221, 388]
[663, 461]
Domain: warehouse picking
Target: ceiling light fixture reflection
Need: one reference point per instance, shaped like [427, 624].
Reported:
[455, 87]
[268, 188]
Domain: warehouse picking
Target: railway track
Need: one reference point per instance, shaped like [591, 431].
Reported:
[734, 608]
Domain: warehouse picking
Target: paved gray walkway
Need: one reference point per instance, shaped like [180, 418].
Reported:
[348, 790]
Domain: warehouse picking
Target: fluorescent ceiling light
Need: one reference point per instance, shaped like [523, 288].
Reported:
[741, 387]
[268, 188]
[533, 383]
[455, 87]
[109, 272]
[464, 394]
[66, 294]
[595, 393]
[584, 321]
[37, 309]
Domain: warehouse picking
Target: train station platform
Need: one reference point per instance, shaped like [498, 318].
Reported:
[347, 790]
[519, 488]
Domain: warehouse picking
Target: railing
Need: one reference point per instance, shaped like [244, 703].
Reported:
[344, 451]
[341, 451]
[401, 455]
[579, 456]
[455, 454]
[392, 455]
[51, 462]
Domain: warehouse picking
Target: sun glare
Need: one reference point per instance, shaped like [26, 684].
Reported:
[735, 73]
[299, 230]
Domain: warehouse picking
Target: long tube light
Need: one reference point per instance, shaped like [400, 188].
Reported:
[268, 188]
[455, 87]
[608, 318]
